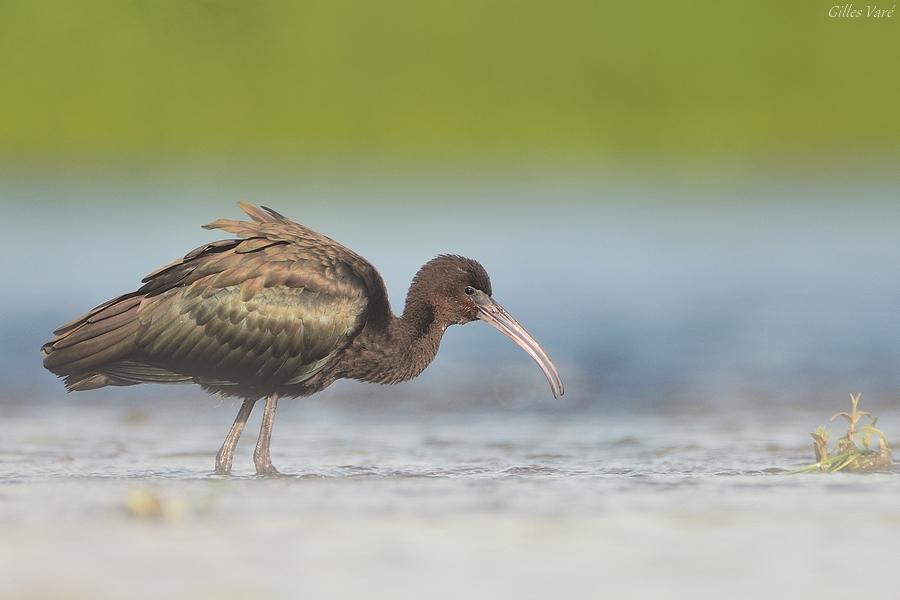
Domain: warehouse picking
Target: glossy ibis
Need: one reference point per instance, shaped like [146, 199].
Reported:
[278, 311]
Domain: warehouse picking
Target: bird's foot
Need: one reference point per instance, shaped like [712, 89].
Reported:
[264, 466]
[267, 470]
[223, 466]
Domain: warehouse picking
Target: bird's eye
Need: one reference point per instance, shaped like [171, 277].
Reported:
[469, 290]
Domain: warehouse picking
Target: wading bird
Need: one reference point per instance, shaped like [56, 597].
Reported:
[279, 311]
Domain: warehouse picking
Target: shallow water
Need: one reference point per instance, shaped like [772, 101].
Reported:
[490, 503]
[702, 332]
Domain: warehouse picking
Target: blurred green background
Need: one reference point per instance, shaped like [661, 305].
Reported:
[710, 187]
[690, 204]
[463, 82]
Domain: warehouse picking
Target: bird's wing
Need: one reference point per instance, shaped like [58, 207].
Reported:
[275, 307]
[272, 307]
[268, 225]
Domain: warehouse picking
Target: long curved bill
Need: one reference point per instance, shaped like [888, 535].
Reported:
[492, 313]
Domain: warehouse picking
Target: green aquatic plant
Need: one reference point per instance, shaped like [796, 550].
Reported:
[853, 451]
[854, 416]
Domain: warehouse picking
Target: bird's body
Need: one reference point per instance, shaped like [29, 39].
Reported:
[279, 311]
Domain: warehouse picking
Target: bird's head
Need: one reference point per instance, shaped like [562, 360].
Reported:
[458, 291]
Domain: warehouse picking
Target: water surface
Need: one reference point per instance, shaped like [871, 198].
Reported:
[702, 332]
[491, 503]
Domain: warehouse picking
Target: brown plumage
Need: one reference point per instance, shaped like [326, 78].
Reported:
[279, 311]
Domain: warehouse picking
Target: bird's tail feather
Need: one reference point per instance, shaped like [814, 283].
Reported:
[81, 348]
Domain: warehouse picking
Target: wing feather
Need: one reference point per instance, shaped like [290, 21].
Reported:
[270, 307]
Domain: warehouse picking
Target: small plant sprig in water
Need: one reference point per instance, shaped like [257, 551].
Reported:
[854, 451]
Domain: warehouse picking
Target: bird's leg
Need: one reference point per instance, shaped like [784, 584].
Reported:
[226, 452]
[261, 456]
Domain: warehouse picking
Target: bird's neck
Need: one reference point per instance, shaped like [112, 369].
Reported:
[400, 349]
